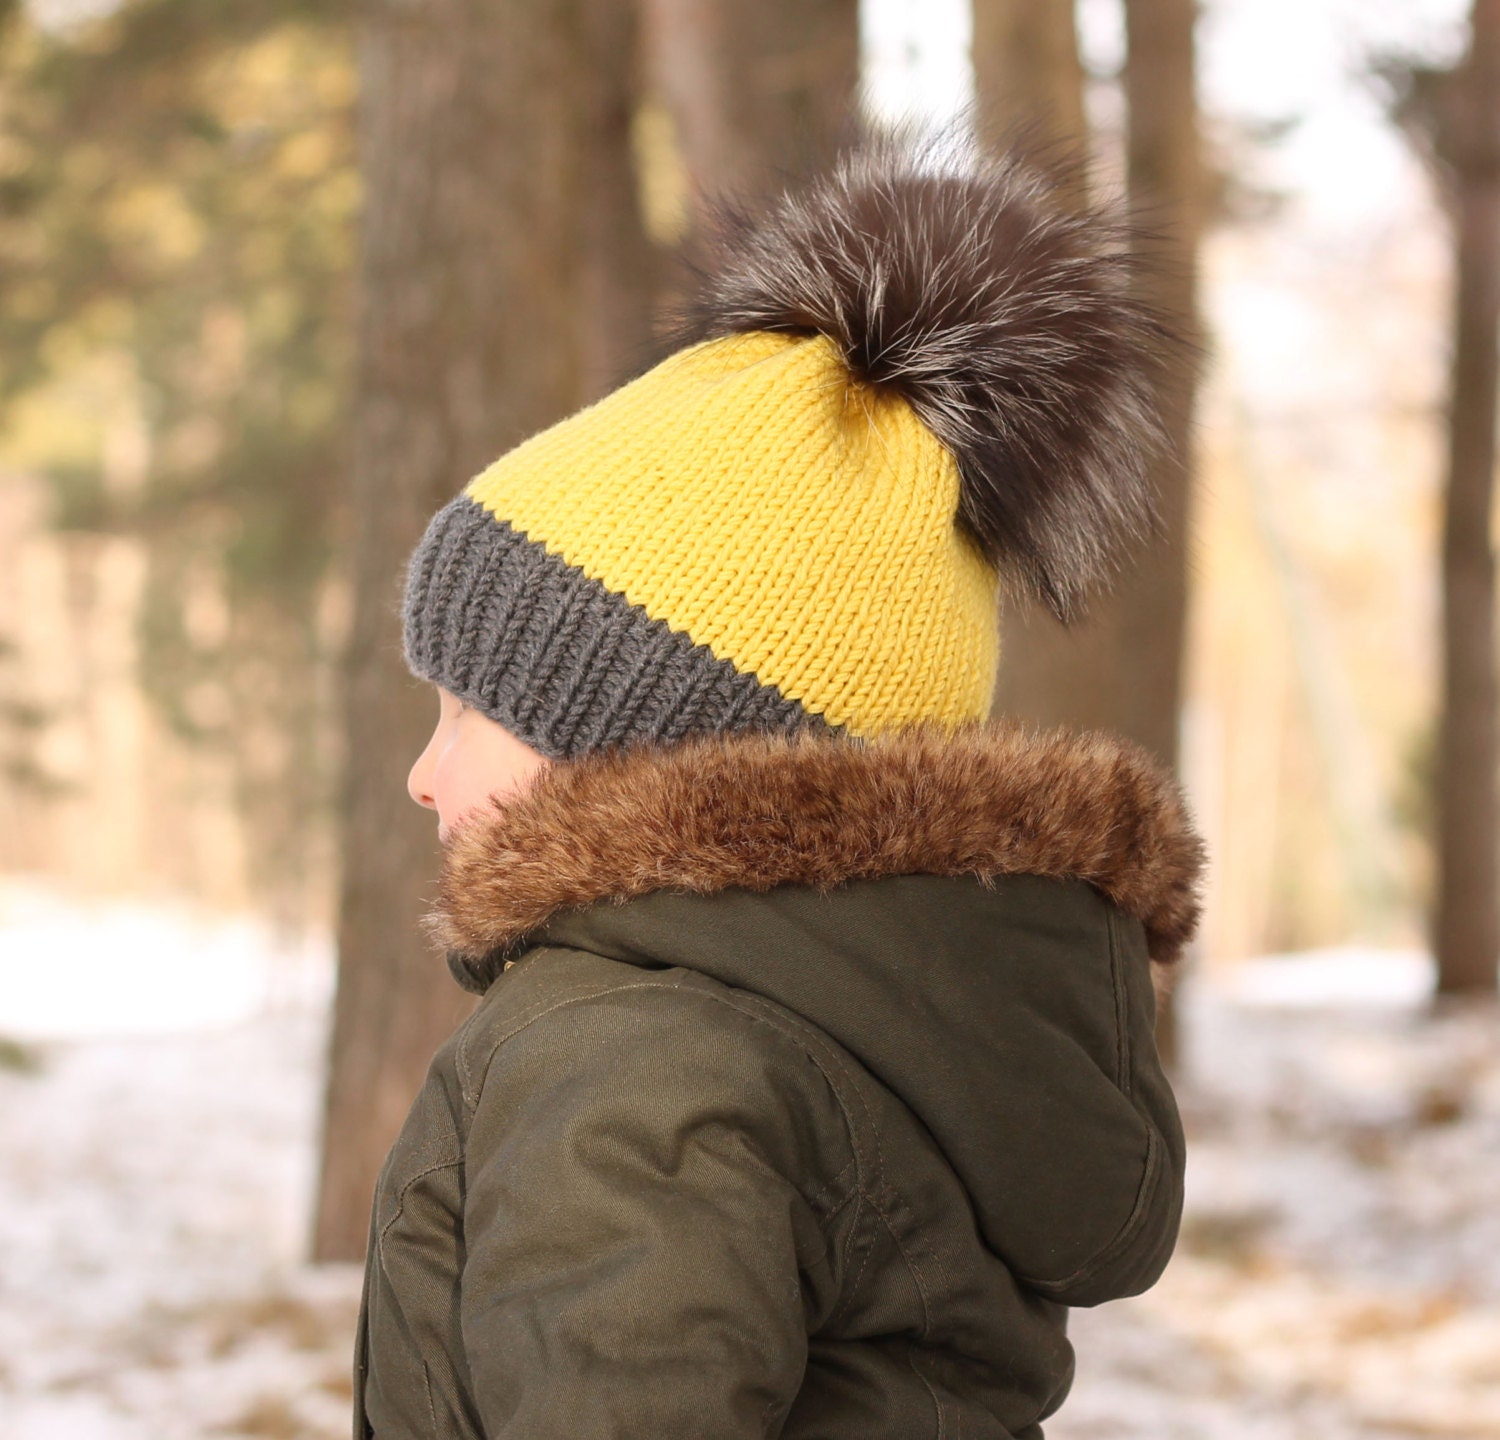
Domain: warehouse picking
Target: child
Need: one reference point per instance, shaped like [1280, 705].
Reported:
[814, 1076]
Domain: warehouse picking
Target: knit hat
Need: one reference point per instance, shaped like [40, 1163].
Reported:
[918, 374]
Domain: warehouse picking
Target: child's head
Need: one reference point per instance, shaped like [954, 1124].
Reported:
[923, 371]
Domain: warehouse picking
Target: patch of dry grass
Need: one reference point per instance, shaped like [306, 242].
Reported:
[19, 1059]
[305, 1324]
[270, 1417]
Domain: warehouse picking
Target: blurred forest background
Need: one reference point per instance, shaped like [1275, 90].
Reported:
[277, 277]
[230, 404]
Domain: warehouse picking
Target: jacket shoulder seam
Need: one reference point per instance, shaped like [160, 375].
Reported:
[857, 1190]
[786, 1025]
[396, 1214]
[471, 1079]
[596, 991]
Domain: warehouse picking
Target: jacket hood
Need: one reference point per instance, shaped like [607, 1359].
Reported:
[969, 914]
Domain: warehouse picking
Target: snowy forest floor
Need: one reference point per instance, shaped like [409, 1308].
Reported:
[1338, 1275]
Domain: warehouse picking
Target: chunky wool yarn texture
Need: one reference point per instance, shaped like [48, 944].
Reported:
[917, 377]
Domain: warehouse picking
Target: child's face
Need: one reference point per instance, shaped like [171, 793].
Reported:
[469, 759]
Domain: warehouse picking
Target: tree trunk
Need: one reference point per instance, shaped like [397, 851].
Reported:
[1027, 74]
[1163, 169]
[1121, 669]
[1029, 80]
[499, 232]
[760, 90]
[1467, 921]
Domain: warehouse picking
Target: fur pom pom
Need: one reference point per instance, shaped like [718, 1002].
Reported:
[998, 305]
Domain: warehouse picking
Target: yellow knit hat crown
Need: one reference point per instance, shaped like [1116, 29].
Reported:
[902, 381]
[752, 497]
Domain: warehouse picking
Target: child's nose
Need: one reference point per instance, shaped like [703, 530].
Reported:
[418, 785]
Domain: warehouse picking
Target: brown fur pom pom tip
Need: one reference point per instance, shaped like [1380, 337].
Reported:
[1000, 305]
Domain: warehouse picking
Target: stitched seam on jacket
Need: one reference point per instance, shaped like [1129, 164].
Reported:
[858, 1190]
[599, 991]
[852, 1289]
[431, 1408]
[1126, 1234]
[401, 1198]
[806, 1043]
[813, 1038]
[823, 1191]
[1122, 1004]
[461, 1051]
[895, 1201]
[911, 1360]
[528, 1016]
[911, 1267]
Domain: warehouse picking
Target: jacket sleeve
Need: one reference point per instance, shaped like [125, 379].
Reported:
[630, 1228]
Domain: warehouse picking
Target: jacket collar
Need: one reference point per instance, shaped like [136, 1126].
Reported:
[756, 811]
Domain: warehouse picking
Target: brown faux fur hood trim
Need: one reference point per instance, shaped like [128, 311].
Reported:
[756, 811]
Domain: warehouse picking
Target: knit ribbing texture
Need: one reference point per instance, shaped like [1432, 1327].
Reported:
[563, 663]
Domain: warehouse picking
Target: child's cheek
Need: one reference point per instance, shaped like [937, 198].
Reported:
[457, 785]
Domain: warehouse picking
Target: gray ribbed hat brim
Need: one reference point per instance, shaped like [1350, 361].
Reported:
[563, 663]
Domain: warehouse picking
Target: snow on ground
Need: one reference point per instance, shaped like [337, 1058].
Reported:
[1339, 1274]
[155, 1186]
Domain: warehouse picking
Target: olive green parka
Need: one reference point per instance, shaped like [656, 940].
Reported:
[813, 1080]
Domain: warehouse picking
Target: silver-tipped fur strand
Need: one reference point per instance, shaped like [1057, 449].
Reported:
[1000, 306]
